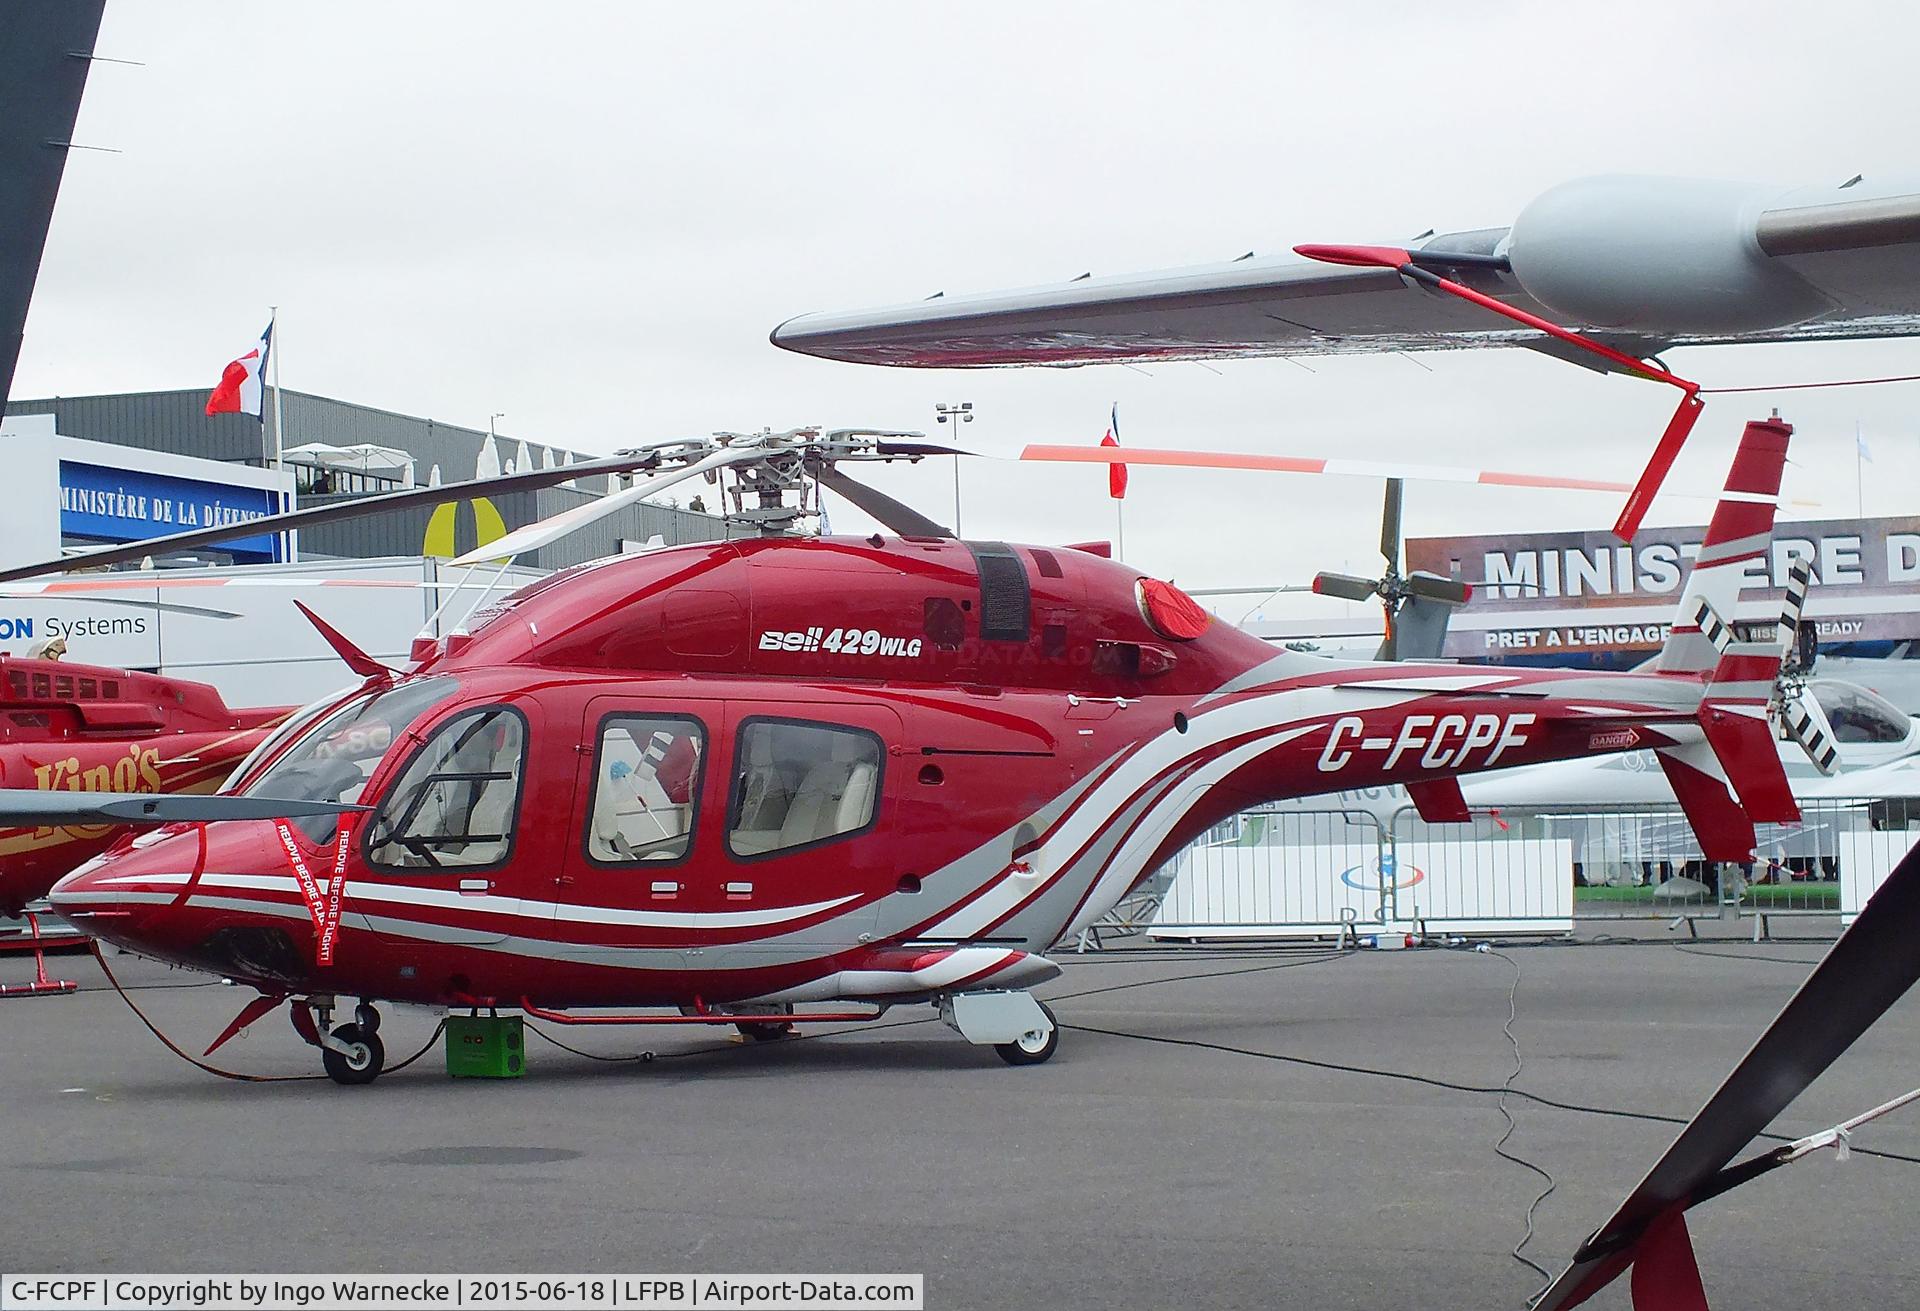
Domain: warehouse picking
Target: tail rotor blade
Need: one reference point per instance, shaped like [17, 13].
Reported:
[1345, 586]
[1432, 587]
[1390, 523]
[1390, 644]
[1807, 724]
[1799, 580]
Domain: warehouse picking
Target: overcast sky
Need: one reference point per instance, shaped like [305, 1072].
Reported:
[589, 216]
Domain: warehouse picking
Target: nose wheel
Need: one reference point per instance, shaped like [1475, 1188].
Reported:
[353, 1055]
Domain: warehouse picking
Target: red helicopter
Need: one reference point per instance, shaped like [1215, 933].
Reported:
[727, 779]
[72, 728]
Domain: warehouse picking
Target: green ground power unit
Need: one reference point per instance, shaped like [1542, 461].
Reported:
[486, 1046]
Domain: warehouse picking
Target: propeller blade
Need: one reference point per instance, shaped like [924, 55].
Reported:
[875, 504]
[1799, 582]
[356, 508]
[1807, 724]
[30, 807]
[1390, 523]
[541, 532]
[1432, 587]
[1345, 586]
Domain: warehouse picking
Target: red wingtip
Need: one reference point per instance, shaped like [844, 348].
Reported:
[1387, 257]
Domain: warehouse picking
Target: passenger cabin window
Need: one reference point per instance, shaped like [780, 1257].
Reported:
[646, 789]
[800, 784]
[456, 803]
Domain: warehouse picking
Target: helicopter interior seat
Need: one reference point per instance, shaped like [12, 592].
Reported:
[836, 796]
[463, 820]
[765, 798]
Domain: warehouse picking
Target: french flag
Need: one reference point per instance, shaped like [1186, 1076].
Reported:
[1116, 473]
[242, 388]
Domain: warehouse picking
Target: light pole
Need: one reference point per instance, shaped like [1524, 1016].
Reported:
[960, 412]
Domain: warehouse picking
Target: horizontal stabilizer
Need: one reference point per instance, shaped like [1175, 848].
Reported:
[1440, 801]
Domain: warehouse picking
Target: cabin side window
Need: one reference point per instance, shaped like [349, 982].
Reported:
[799, 784]
[646, 792]
[456, 804]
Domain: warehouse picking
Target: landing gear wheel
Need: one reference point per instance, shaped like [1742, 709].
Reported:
[1033, 1046]
[367, 1017]
[362, 1063]
[766, 1030]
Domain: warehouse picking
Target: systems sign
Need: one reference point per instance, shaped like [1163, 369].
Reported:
[128, 505]
[1546, 594]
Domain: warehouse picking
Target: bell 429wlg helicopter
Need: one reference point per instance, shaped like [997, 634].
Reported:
[727, 779]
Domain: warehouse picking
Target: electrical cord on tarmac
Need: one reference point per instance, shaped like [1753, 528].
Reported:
[235, 1075]
[1513, 1126]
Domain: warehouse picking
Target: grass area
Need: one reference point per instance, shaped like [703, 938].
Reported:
[1814, 896]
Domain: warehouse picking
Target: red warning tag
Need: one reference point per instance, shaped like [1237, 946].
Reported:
[336, 892]
[309, 890]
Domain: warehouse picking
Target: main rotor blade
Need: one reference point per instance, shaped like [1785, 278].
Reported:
[555, 526]
[875, 504]
[1390, 523]
[361, 507]
[31, 807]
[1345, 586]
[916, 449]
[1432, 587]
[1302, 464]
[1862, 975]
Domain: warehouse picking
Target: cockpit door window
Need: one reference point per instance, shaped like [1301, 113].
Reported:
[456, 804]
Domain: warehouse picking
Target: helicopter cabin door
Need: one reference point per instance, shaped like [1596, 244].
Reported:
[445, 855]
[807, 842]
[629, 878]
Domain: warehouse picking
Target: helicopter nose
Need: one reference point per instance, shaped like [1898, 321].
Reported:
[105, 898]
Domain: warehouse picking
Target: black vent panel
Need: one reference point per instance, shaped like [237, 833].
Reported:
[1006, 600]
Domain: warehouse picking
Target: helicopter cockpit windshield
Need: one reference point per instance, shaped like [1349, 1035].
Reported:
[1858, 715]
[334, 759]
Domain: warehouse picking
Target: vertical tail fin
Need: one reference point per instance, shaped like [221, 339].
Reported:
[1741, 532]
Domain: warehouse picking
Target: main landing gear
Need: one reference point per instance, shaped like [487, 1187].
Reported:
[351, 1054]
[1021, 1030]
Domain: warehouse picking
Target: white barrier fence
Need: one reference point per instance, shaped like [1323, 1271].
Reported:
[1316, 874]
[1292, 872]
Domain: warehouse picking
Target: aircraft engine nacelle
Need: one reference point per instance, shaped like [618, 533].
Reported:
[1664, 256]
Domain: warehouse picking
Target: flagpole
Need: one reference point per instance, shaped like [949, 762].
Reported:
[290, 550]
[1120, 529]
[1859, 478]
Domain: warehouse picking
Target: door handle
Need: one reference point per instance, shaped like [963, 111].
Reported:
[475, 887]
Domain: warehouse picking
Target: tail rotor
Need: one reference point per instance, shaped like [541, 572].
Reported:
[1794, 705]
[1396, 590]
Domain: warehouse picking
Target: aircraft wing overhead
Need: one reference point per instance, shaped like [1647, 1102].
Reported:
[1636, 263]
[1266, 305]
